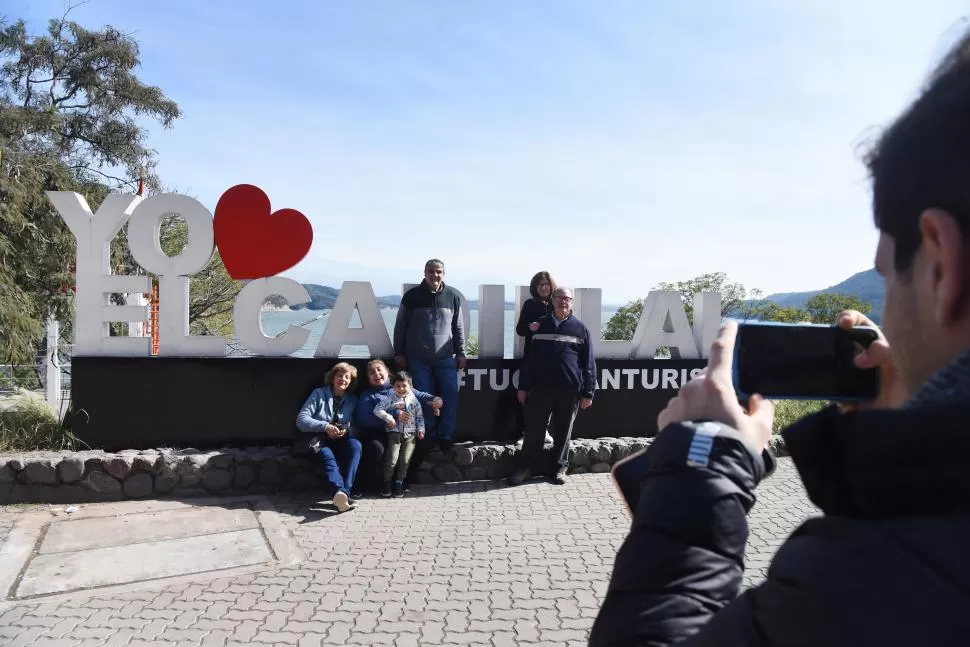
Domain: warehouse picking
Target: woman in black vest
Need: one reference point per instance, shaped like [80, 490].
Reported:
[533, 309]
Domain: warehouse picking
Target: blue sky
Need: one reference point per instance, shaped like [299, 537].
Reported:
[616, 144]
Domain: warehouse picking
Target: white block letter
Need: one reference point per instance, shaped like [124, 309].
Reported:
[95, 283]
[173, 272]
[663, 323]
[707, 320]
[247, 323]
[491, 321]
[588, 308]
[359, 296]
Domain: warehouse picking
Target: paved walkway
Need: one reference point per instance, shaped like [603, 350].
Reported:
[467, 564]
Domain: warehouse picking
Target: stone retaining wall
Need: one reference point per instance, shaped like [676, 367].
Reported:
[88, 476]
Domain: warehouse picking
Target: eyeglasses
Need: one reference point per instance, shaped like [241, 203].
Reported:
[562, 298]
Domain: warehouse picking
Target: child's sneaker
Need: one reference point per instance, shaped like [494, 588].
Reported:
[386, 490]
[398, 489]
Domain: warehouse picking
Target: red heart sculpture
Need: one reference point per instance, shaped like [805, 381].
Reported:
[253, 241]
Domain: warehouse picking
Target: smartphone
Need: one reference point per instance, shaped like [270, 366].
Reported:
[628, 478]
[803, 362]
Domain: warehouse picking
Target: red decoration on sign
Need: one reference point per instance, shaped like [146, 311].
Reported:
[253, 241]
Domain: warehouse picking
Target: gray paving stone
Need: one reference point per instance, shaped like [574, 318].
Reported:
[465, 563]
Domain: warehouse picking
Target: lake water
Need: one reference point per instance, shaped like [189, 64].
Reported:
[276, 321]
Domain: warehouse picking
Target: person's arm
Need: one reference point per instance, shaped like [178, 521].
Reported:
[588, 359]
[381, 411]
[526, 316]
[306, 420]
[422, 397]
[458, 330]
[418, 419]
[684, 556]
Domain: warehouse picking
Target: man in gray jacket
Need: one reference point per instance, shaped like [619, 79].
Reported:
[429, 340]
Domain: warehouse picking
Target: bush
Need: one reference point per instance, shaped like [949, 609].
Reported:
[789, 411]
[29, 424]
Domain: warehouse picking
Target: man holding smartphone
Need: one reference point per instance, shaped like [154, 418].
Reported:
[887, 565]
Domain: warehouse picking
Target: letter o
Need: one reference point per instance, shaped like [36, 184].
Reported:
[145, 228]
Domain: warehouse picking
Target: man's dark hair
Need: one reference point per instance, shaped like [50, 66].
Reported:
[400, 376]
[922, 161]
[431, 263]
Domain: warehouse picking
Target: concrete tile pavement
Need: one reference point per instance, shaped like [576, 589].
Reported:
[464, 564]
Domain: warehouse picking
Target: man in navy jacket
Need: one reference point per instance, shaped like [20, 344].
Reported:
[558, 378]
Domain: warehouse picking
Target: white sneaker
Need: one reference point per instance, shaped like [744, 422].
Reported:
[549, 440]
[342, 502]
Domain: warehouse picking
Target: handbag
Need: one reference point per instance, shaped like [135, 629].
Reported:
[306, 445]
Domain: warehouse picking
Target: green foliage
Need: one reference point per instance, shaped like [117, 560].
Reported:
[212, 291]
[70, 107]
[774, 312]
[788, 412]
[471, 346]
[29, 424]
[825, 308]
[623, 323]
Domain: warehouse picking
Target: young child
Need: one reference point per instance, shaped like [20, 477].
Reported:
[401, 436]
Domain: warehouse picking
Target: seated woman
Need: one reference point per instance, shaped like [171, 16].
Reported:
[371, 430]
[329, 411]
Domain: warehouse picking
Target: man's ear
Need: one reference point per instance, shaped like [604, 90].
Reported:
[943, 256]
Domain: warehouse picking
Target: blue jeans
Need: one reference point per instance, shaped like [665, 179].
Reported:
[335, 452]
[438, 378]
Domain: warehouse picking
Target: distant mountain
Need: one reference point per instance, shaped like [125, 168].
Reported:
[866, 285]
[323, 297]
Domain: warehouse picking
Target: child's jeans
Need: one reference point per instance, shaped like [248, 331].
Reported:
[398, 455]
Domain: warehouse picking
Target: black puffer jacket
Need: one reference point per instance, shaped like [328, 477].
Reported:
[888, 564]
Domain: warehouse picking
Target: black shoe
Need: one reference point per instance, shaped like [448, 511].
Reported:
[559, 477]
[356, 495]
[445, 445]
[407, 485]
[398, 489]
[386, 490]
[519, 476]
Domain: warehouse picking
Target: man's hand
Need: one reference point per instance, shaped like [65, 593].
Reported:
[892, 392]
[437, 403]
[333, 431]
[534, 326]
[462, 362]
[522, 395]
[585, 403]
[401, 362]
[404, 416]
[711, 396]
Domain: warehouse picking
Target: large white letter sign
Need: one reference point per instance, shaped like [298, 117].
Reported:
[359, 296]
[707, 320]
[491, 321]
[588, 308]
[95, 283]
[173, 272]
[247, 322]
[663, 323]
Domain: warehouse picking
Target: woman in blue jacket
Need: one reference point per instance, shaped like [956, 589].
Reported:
[329, 412]
[371, 430]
